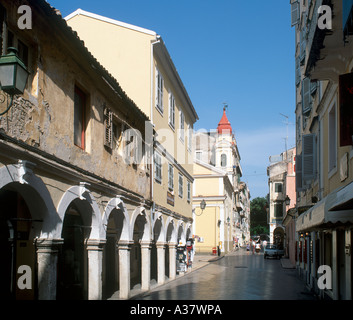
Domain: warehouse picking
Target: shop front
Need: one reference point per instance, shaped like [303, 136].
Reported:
[325, 239]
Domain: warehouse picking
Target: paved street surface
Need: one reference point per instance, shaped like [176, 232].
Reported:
[237, 276]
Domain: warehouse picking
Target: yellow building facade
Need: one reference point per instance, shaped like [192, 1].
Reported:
[212, 225]
[141, 62]
[224, 223]
[324, 78]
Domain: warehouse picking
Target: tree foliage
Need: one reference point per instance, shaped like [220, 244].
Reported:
[258, 216]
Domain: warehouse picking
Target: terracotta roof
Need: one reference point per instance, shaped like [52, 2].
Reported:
[224, 124]
[56, 18]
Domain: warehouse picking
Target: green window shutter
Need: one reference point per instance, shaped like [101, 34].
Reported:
[308, 158]
[306, 96]
[295, 13]
[298, 172]
[297, 71]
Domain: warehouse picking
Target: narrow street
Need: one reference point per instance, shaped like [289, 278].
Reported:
[237, 276]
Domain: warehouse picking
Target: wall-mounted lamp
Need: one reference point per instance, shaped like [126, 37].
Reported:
[13, 75]
[287, 200]
[203, 204]
[202, 207]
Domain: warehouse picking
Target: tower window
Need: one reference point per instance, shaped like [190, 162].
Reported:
[223, 160]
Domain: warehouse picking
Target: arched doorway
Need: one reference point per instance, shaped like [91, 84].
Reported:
[278, 237]
[72, 270]
[16, 245]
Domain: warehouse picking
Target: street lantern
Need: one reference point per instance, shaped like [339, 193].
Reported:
[13, 74]
[202, 207]
[203, 204]
[287, 200]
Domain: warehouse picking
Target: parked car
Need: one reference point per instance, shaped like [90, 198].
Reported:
[271, 250]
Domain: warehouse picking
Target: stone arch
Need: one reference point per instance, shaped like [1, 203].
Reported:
[141, 211]
[27, 213]
[278, 236]
[159, 232]
[181, 233]
[188, 231]
[118, 204]
[20, 178]
[170, 230]
[85, 202]
[116, 225]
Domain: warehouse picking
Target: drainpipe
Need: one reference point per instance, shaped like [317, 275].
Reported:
[151, 116]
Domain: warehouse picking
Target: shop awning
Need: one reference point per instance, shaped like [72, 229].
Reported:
[335, 208]
[343, 199]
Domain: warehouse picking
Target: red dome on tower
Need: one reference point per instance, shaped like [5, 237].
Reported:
[224, 124]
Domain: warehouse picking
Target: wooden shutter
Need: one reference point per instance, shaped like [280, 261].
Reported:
[308, 157]
[346, 108]
[297, 71]
[302, 45]
[306, 97]
[137, 147]
[298, 173]
[313, 87]
[159, 90]
[108, 127]
[295, 13]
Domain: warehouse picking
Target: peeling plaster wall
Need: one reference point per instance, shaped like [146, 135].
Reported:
[43, 116]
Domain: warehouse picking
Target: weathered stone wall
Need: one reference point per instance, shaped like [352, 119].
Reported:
[44, 116]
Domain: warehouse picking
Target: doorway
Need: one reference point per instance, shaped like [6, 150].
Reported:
[72, 275]
[16, 246]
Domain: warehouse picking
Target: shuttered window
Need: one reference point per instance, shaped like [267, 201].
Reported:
[297, 71]
[133, 146]
[108, 128]
[188, 191]
[298, 172]
[306, 96]
[170, 177]
[295, 13]
[302, 45]
[159, 91]
[157, 167]
[308, 158]
[171, 110]
[182, 127]
[181, 187]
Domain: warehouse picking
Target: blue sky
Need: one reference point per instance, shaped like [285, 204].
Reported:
[226, 51]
